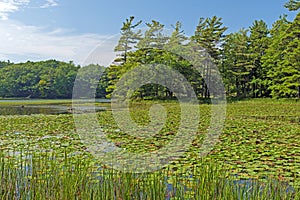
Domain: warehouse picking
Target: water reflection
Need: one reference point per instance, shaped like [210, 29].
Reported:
[28, 110]
[45, 109]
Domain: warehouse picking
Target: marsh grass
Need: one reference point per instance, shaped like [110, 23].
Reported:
[41, 157]
[45, 175]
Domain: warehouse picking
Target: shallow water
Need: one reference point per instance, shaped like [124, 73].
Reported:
[32, 106]
[28, 110]
[45, 109]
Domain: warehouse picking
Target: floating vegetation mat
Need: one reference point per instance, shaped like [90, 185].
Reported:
[257, 156]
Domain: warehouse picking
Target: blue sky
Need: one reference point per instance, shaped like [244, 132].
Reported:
[73, 29]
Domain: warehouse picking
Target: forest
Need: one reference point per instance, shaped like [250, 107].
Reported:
[255, 62]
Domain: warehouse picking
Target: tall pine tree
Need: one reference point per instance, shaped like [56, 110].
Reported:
[209, 34]
[259, 42]
[237, 63]
[285, 71]
[129, 37]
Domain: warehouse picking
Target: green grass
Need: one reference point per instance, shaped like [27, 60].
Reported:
[42, 156]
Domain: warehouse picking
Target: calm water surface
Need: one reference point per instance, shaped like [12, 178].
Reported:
[28, 107]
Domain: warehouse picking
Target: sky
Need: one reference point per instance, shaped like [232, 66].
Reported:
[86, 31]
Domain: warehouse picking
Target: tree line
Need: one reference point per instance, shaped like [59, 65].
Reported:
[254, 62]
[44, 79]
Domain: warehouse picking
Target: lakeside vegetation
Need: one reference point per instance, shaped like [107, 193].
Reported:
[257, 156]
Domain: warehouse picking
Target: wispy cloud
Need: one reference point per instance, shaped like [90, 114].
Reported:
[50, 3]
[10, 6]
[20, 42]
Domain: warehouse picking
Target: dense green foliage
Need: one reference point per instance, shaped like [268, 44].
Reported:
[49, 79]
[46, 79]
[42, 156]
[254, 62]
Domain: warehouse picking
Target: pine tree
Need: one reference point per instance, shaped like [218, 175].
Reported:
[209, 34]
[273, 53]
[126, 43]
[293, 5]
[153, 37]
[237, 63]
[259, 42]
[285, 72]
[128, 38]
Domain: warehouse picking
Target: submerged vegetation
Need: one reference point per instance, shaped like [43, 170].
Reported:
[257, 157]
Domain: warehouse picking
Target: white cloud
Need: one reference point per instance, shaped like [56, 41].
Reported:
[20, 42]
[50, 3]
[10, 6]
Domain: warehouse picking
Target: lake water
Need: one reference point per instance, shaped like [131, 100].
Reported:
[38, 106]
[32, 109]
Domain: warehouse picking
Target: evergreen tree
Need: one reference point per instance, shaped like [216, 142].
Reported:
[284, 55]
[150, 52]
[176, 45]
[209, 34]
[153, 37]
[293, 5]
[128, 38]
[273, 53]
[126, 43]
[258, 44]
[237, 63]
